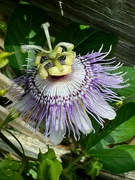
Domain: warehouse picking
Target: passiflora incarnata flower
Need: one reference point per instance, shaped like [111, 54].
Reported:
[61, 89]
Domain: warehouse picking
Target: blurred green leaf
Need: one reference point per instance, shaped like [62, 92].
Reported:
[3, 26]
[24, 27]
[9, 169]
[49, 167]
[86, 38]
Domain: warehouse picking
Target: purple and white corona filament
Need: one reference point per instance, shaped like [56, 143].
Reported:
[62, 88]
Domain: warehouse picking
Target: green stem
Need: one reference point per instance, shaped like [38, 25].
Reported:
[66, 175]
[22, 155]
[73, 163]
[20, 170]
[4, 138]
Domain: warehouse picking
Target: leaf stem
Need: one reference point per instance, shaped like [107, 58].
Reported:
[4, 138]
[20, 170]
[74, 162]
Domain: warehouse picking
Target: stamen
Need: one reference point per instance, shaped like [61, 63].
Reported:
[70, 58]
[38, 58]
[57, 63]
[69, 46]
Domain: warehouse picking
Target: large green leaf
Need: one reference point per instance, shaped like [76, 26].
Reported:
[122, 133]
[118, 159]
[123, 114]
[86, 38]
[24, 27]
[106, 145]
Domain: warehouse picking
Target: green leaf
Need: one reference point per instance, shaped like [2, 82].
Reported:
[123, 114]
[50, 154]
[122, 133]
[119, 159]
[86, 38]
[49, 167]
[9, 169]
[24, 27]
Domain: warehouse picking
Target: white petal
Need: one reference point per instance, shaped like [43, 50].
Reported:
[108, 112]
[84, 125]
[100, 107]
[56, 137]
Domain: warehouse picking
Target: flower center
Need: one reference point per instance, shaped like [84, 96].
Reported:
[55, 67]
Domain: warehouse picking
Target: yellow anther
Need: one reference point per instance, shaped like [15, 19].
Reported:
[37, 60]
[70, 58]
[42, 72]
[54, 71]
[58, 50]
